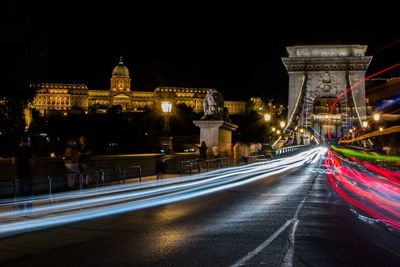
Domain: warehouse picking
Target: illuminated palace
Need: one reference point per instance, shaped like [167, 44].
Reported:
[56, 97]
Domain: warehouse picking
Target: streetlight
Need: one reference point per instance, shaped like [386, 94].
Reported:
[365, 124]
[282, 124]
[166, 107]
[166, 140]
[267, 117]
[376, 116]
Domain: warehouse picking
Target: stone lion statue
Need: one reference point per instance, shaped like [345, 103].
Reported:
[213, 105]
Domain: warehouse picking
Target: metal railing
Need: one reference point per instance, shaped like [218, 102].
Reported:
[286, 150]
[217, 162]
[15, 185]
[187, 163]
[137, 167]
[190, 165]
[100, 177]
[250, 159]
[114, 174]
[51, 178]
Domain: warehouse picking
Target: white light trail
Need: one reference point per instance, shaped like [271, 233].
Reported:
[90, 204]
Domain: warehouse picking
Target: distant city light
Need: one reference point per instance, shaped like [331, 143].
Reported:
[282, 124]
[381, 129]
[376, 116]
[365, 124]
[273, 129]
[267, 117]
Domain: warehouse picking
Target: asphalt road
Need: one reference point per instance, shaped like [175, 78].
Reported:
[283, 220]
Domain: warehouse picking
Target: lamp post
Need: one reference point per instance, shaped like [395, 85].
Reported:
[166, 140]
[166, 107]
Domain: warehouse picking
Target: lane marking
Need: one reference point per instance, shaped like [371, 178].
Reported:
[263, 245]
[288, 258]
[296, 214]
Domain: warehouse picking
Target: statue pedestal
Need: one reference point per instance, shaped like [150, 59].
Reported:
[217, 133]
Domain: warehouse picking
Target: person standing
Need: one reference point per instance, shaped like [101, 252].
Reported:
[161, 167]
[203, 155]
[203, 150]
[23, 160]
[71, 163]
[83, 159]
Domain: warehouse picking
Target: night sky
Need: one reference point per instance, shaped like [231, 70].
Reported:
[236, 49]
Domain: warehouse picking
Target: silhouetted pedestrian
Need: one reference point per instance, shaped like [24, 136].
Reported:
[84, 154]
[203, 150]
[71, 163]
[23, 160]
[161, 167]
[203, 155]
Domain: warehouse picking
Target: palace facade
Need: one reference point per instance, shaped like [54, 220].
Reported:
[52, 97]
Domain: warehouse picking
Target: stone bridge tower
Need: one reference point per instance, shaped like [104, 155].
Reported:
[317, 76]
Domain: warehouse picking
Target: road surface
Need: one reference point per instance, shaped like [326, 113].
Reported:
[287, 219]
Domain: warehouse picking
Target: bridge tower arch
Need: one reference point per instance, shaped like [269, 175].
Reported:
[319, 74]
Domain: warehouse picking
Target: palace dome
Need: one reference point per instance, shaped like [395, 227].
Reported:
[120, 70]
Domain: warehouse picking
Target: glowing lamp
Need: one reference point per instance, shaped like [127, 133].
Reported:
[267, 117]
[376, 116]
[282, 124]
[166, 106]
[365, 124]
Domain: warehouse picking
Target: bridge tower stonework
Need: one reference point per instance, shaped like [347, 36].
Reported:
[317, 76]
